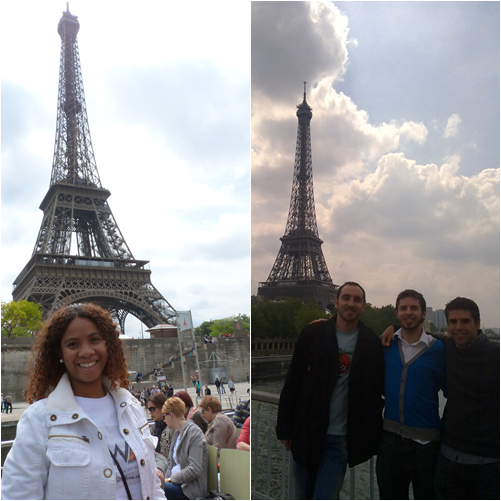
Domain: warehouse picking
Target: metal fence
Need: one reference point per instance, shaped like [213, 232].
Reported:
[228, 400]
[271, 463]
[6, 446]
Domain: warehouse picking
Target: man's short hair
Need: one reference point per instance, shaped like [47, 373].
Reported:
[415, 295]
[212, 402]
[349, 283]
[463, 303]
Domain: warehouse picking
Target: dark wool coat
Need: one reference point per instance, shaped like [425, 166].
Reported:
[303, 411]
[471, 416]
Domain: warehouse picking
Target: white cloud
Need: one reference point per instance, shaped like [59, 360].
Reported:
[412, 131]
[315, 33]
[452, 127]
[387, 218]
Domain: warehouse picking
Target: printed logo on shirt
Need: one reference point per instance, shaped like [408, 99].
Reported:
[127, 455]
[128, 463]
[344, 362]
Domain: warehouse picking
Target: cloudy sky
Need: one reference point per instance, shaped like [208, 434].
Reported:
[167, 88]
[405, 142]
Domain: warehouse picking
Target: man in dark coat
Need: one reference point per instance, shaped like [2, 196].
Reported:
[330, 410]
[468, 464]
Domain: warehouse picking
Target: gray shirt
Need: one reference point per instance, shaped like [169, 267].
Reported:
[338, 416]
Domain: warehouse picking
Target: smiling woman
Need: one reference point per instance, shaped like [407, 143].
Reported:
[90, 427]
[84, 356]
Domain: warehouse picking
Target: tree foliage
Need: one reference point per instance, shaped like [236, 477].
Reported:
[287, 318]
[204, 328]
[284, 319]
[433, 328]
[20, 318]
[222, 326]
[379, 318]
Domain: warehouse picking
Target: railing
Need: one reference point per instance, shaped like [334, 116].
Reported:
[270, 461]
[228, 401]
[6, 445]
[271, 464]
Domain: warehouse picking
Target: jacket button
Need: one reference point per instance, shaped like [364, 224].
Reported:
[126, 431]
[123, 404]
[142, 462]
[107, 473]
[99, 435]
[53, 417]
[75, 416]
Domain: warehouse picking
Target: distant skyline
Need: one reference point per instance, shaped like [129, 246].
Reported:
[168, 102]
[405, 142]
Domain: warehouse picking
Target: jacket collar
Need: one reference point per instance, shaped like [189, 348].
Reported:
[62, 398]
[364, 340]
[362, 328]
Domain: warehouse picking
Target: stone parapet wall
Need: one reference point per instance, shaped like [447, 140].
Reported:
[142, 355]
[15, 358]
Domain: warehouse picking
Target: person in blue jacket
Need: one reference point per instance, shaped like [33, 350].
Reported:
[414, 375]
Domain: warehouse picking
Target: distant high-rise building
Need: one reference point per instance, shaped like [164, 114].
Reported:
[436, 316]
[441, 320]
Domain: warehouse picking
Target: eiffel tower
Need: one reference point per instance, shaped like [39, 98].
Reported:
[300, 270]
[80, 254]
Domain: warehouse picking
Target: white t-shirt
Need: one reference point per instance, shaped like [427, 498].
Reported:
[177, 467]
[103, 413]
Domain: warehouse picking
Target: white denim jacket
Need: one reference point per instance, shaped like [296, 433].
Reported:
[59, 453]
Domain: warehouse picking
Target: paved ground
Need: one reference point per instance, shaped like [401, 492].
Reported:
[228, 402]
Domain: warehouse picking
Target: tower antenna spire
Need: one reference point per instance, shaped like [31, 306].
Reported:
[304, 95]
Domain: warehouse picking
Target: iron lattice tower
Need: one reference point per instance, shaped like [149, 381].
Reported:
[300, 270]
[80, 254]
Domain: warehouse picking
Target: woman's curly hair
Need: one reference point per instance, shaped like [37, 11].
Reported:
[45, 370]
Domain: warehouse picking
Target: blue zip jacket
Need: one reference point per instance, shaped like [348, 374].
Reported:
[411, 391]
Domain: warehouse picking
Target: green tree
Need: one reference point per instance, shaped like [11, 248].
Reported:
[306, 314]
[204, 328]
[379, 318]
[223, 326]
[277, 319]
[21, 318]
